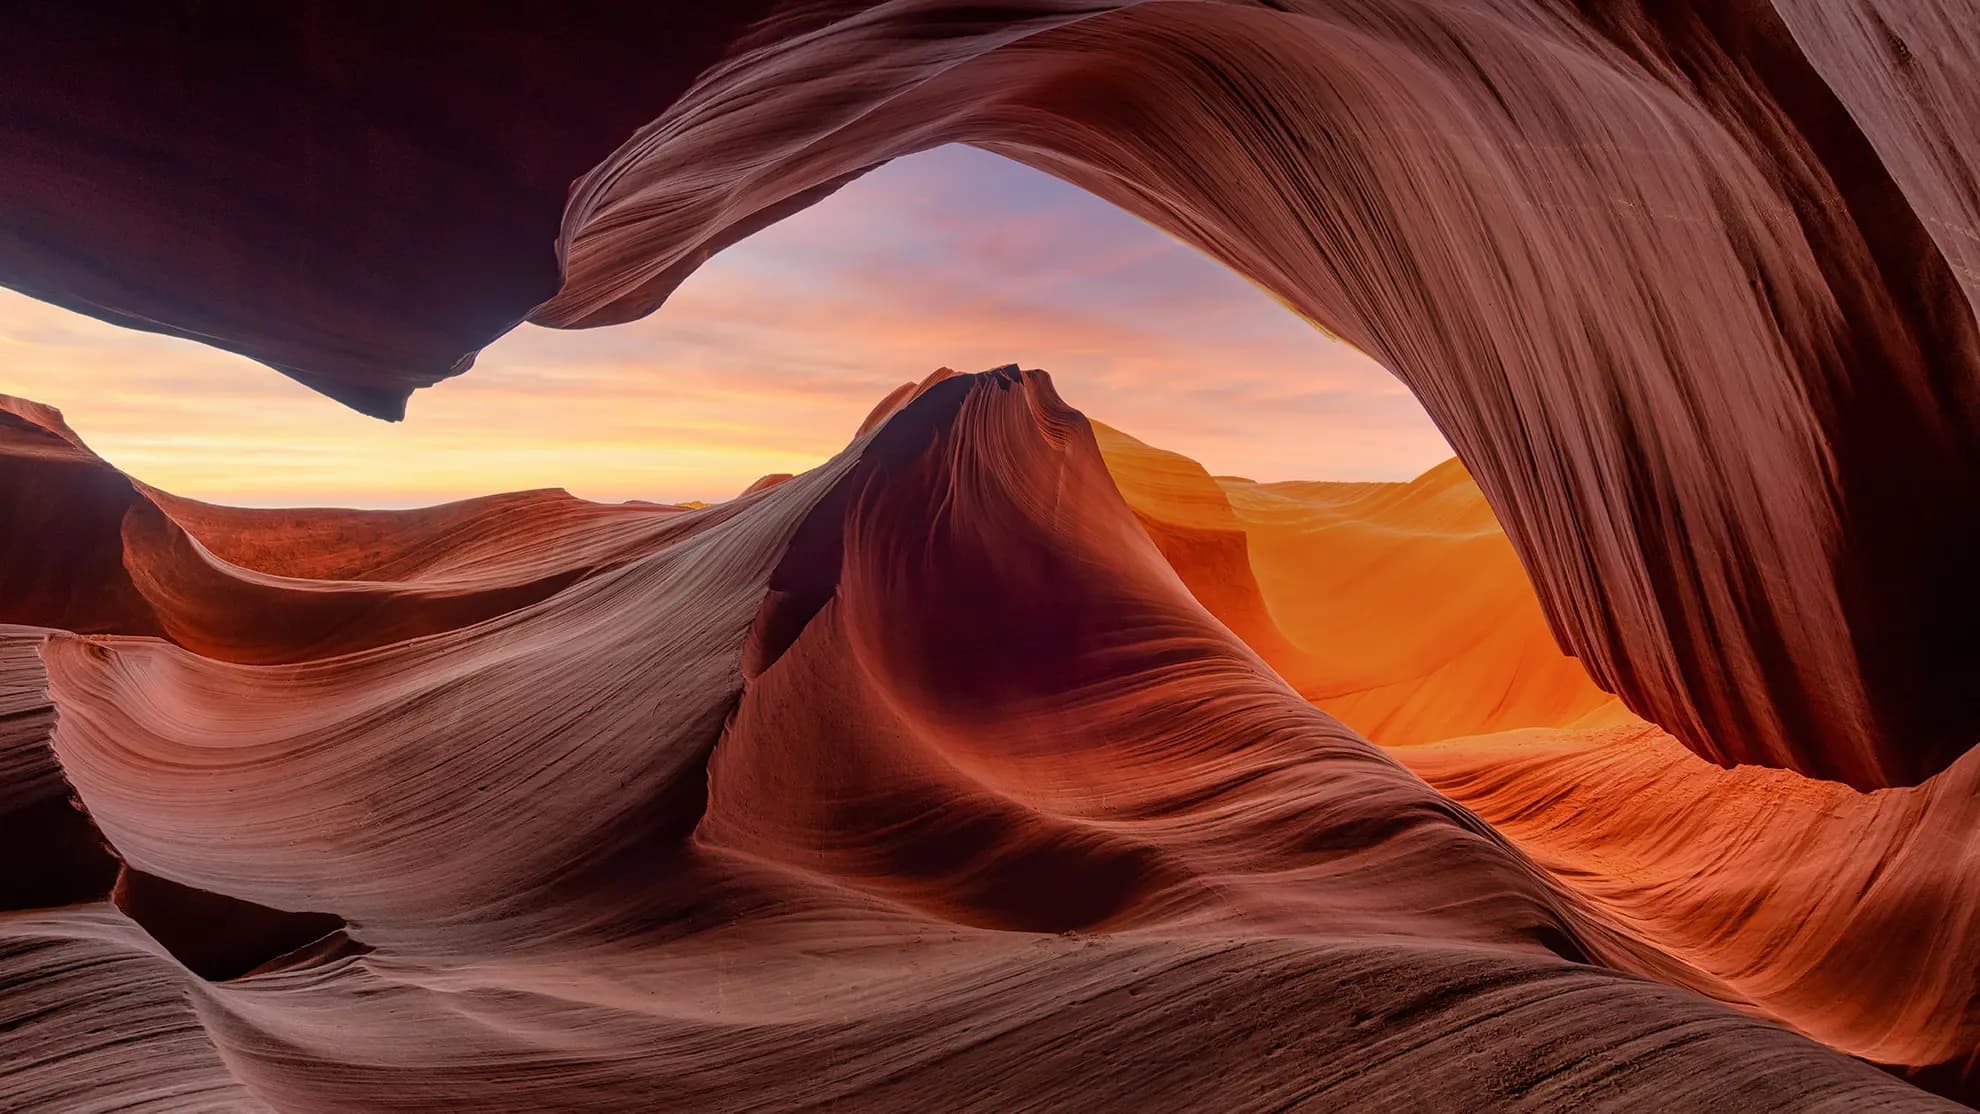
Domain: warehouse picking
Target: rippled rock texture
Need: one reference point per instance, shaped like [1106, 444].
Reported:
[1690, 285]
[973, 768]
[986, 763]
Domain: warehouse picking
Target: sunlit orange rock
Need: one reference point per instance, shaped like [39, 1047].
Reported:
[1399, 607]
[921, 780]
[1004, 761]
[1854, 917]
[1688, 284]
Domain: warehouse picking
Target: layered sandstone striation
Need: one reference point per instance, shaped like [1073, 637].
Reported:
[938, 776]
[1688, 284]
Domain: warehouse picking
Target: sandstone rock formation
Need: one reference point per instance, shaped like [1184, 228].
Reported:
[1689, 285]
[939, 776]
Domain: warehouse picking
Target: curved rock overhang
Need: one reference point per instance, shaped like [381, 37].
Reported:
[1690, 286]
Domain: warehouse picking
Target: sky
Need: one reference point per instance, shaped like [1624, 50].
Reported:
[766, 360]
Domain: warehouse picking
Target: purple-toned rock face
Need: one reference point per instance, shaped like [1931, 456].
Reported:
[1688, 285]
[961, 772]
[524, 802]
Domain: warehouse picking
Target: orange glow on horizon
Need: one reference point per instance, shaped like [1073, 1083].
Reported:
[765, 362]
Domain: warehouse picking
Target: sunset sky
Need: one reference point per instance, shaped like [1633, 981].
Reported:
[766, 360]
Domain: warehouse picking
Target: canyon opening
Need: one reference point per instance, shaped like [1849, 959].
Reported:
[529, 581]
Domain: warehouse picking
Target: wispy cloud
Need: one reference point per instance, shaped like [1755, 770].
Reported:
[766, 360]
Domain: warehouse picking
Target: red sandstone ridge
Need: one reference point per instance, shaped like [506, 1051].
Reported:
[1688, 284]
[92, 551]
[1004, 761]
[932, 778]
